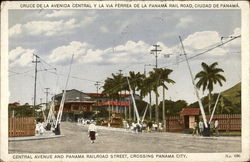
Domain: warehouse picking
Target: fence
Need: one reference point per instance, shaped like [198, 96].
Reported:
[174, 123]
[21, 127]
[227, 122]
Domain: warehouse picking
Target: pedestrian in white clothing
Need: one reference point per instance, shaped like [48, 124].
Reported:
[92, 132]
[216, 126]
[201, 127]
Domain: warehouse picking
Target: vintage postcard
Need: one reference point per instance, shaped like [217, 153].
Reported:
[125, 81]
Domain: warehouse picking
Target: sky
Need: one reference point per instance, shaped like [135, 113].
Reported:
[106, 41]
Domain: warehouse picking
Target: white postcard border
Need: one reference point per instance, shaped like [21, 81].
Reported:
[244, 155]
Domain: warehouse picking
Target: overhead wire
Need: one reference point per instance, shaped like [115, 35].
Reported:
[79, 78]
[204, 52]
[18, 73]
[196, 55]
[233, 62]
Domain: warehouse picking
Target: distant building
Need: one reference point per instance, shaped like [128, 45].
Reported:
[120, 105]
[14, 104]
[77, 104]
[190, 115]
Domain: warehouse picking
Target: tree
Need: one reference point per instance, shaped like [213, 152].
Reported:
[147, 88]
[159, 78]
[25, 110]
[224, 105]
[164, 78]
[112, 86]
[209, 76]
[135, 80]
[174, 107]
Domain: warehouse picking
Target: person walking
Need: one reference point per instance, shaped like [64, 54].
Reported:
[160, 127]
[155, 126]
[201, 127]
[150, 124]
[216, 126]
[92, 131]
[195, 126]
[212, 128]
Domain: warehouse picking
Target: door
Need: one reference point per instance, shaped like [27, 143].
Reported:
[186, 122]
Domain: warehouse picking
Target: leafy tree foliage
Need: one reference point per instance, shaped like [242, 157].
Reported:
[173, 107]
[26, 110]
[209, 76]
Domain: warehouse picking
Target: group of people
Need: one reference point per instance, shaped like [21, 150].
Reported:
[46, 128]
[142, 127]
[148, 127]
[82, 121]
[153, 126]
[198, 128]
[40, 128]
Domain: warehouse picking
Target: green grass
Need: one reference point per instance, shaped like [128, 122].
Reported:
[231, 133]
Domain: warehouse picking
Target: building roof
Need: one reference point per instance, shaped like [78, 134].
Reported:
[85, 102]
[73, 95]
[14, 104]
[104, 95]
[71, 90]
[190, 111]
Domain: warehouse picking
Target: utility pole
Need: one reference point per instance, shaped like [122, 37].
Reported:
[119, 105]
[163, 110]
[36, 61]
[47, 93]
[150, 100]
[97, 86]
[155, 52]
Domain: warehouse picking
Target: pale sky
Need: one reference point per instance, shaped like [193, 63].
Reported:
[106, 41]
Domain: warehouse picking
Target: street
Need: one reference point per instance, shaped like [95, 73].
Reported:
[76, 140]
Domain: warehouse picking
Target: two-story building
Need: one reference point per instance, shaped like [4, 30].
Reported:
[103, 101]
[77, 104]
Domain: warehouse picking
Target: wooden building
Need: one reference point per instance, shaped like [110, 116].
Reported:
[121, 105]
[190, 115]
[77, 104]
[185, 121]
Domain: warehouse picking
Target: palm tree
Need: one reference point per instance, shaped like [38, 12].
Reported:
[136, 80]
[165, 79]
[109, 87]
[113, 86]
[209, 76]
[140, 86]
[147, 88]
[155, 84]
[160, 76]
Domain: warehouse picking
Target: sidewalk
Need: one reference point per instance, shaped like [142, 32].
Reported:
[36, 137]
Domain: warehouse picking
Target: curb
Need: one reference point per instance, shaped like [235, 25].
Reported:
[27, 138]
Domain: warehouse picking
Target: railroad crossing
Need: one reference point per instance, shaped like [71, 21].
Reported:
[75, 140]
